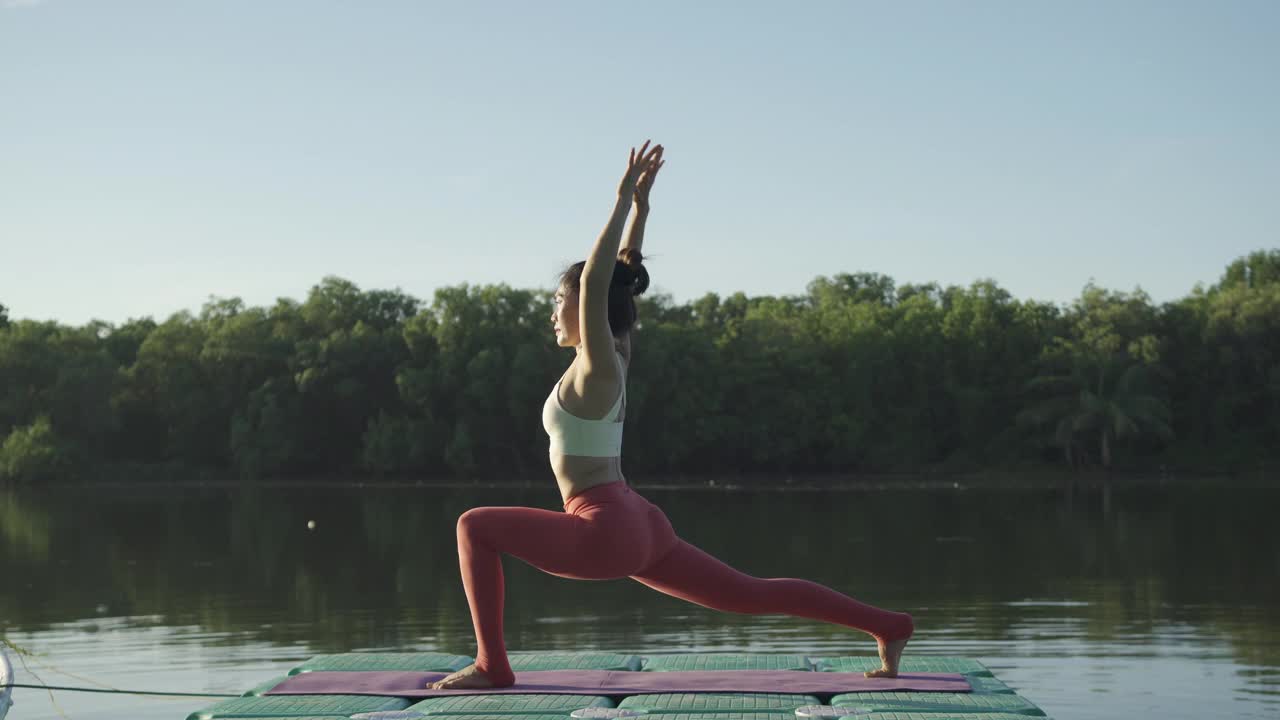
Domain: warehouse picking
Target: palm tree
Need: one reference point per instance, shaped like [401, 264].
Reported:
[1084, 401]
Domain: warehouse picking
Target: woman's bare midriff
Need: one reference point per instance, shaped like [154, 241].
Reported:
[577, 473]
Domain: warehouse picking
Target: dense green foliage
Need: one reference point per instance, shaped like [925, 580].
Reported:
[856, 375]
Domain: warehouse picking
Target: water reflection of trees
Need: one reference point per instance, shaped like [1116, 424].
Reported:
[380, 568]
[24, 528]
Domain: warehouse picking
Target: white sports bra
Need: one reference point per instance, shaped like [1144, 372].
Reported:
[572, 435]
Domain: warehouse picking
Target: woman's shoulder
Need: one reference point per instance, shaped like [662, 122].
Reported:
[605, 378]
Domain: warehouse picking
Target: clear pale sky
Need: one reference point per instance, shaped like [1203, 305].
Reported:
[154, 153]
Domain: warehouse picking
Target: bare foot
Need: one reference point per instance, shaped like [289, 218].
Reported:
[890, 654]
[467, 677]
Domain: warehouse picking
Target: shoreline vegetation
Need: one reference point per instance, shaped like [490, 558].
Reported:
[1257, 478]
[857, 382]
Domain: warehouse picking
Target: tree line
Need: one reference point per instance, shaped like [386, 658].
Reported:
[856, 375]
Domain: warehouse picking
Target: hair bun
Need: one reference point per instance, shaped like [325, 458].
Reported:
[631, 257]
[634, 261]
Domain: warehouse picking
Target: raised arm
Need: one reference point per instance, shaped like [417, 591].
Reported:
[635, 235]
[593, 299]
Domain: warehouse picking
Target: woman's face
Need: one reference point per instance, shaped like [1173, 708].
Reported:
[565, 318]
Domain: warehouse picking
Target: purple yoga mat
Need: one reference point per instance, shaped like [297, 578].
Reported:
[408, 684]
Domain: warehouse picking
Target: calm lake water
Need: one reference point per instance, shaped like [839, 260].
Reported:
[1150, 602]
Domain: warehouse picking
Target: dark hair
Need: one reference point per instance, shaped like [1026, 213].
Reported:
[630, 278]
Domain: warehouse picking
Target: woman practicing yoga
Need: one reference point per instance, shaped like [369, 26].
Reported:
[607, 530]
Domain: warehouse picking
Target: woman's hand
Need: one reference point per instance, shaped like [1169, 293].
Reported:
[645, 183]
[638, 164]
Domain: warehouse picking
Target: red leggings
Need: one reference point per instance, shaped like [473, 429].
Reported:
[609, 532]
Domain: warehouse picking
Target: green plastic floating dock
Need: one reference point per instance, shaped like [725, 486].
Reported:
[727, 661]
[910, 663]
[968, 703]
[719, 702]
[509, 705]
[422, 662]
[990, 699]
[292, 706]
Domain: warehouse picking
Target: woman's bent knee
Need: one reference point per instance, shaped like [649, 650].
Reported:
[471, 521]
